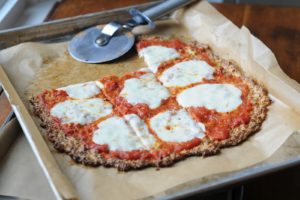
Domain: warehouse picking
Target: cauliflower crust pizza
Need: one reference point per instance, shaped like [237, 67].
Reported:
[187, 102]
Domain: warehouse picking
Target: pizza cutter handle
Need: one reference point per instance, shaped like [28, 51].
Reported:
[153, 13]
[164, 8]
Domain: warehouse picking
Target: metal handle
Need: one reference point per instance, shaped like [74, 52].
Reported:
[147, 17]
[165, 8]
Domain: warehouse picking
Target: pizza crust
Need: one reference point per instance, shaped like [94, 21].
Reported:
[77, 150]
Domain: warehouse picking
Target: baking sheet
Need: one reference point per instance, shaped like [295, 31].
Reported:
[204, 24]
[19, 165]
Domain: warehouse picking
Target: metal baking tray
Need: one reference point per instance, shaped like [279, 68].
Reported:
[62, 30]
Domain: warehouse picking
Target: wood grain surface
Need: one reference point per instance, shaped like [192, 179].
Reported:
[70, 8]
[277, 27]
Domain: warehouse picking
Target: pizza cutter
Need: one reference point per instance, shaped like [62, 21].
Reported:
[100, 44]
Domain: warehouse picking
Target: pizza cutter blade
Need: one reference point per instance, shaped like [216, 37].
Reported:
[84, 47]
[105, 43]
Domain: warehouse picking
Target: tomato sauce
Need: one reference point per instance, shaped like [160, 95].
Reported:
[51, 97]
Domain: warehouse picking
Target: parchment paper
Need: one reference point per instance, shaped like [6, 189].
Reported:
[34, 67]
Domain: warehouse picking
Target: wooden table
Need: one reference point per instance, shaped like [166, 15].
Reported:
[277, 27]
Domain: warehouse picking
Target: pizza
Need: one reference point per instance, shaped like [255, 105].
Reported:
[187, 102]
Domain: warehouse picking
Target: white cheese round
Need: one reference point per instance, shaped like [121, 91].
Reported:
[176, 126]
[145, 89]
[82, 111]
[82, 90]
[156, 55]
[186, 73]
[219, 97]
[118, 135]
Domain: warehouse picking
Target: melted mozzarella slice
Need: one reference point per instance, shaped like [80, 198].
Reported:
[145, 89]
[140, 129]
[117, 134]
[155, 55]
[219, 97]
[82, 111]
[186, 73]
[82, 90]
[176, 126]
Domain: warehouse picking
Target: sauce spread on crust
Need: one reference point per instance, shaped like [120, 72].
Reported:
[217, 124]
